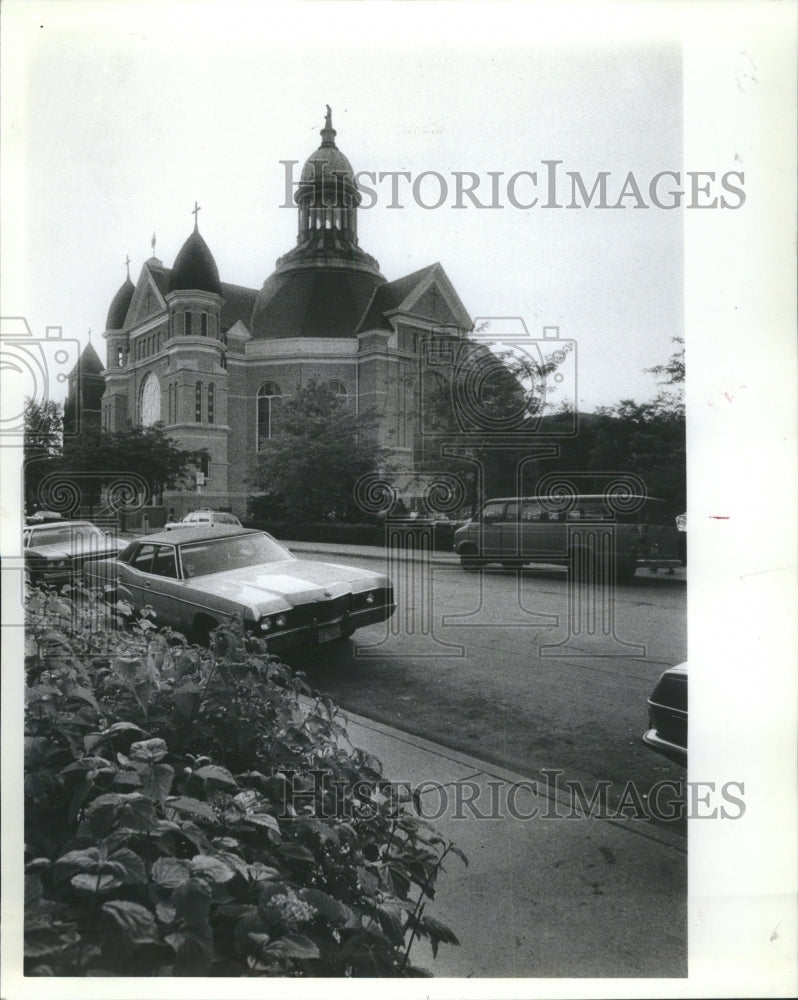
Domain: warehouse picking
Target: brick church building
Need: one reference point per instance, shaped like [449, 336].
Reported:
[211, 359]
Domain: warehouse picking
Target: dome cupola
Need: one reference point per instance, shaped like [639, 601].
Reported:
[327, 200]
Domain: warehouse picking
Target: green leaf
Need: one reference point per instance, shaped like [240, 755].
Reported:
[258, 872]
[188, 700]
[192, 806]
[331, 909]
[212, 868]
[437, 931]
[170, 872]
[296, 852]
[131, 809]
[135, 920]
[215, 775]
[293, 946]
[152, 751]
[98, 883]
[156, 781]
[192, 901]
[128, 865]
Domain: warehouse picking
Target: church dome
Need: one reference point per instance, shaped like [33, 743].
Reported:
[194, 268]
[327, 162]
[328, 166]
[119, 306]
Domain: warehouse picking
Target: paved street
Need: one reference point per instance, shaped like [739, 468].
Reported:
[464, 663]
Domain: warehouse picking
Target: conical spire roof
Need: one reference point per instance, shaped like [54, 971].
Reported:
[120, 305]
[194, 267]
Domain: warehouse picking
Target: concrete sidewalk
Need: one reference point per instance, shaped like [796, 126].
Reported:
[544, 896]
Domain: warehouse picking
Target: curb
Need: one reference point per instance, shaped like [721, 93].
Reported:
[650, 832]
[441, 559]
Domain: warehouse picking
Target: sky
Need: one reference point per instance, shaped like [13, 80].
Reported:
[128, 113]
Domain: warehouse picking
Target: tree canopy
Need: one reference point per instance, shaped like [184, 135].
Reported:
[43, 425]
[318, 451]
[148, 452]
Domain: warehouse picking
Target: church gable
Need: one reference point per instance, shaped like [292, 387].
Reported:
[435, 299]
[433, 305]
[147, 300]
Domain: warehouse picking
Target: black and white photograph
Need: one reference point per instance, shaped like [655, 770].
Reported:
[395, 398]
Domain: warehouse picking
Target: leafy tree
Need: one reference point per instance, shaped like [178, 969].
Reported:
[649, 438]
[674, 370]
[42, 440]
[148, 452]
[320, 448]
[462, 406]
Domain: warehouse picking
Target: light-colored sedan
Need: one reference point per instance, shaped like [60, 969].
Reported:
[195, 578]
[198, 517]
[56, 552]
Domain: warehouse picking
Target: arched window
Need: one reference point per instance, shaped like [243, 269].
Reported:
[187, 324]
[268, 400]
[150, 401]
[210, 404]
[198, 402]
[204, 324]
[120, 357]
[339, 389]
[223, 361]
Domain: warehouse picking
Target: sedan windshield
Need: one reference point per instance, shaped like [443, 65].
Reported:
[220, 554]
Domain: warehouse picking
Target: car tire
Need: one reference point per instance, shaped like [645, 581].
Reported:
[625, 572]
[469, 560]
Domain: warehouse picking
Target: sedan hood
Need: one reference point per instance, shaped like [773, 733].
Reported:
[57, 551]
[292, 582]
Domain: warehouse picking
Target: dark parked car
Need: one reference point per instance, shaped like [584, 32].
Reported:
[58, 550]
[195, 578]
[516, 531]
[667, 715]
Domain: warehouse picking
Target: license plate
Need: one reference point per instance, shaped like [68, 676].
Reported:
[329, 632]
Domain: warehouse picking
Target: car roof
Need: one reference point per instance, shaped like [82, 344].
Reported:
[201, 533]
[60, 524]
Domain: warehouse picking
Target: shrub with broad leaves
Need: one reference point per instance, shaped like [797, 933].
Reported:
[200, 812]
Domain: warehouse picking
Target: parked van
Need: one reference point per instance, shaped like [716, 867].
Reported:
[514, 531]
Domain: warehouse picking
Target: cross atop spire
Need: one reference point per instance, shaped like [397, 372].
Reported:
[152, 244]
[195, 212]
[89, 334]
[127, 265]
[328, 133]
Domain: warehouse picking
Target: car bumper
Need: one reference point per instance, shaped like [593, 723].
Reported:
[321, 632]
[672, 751]
[655, 563]
[51, 576]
